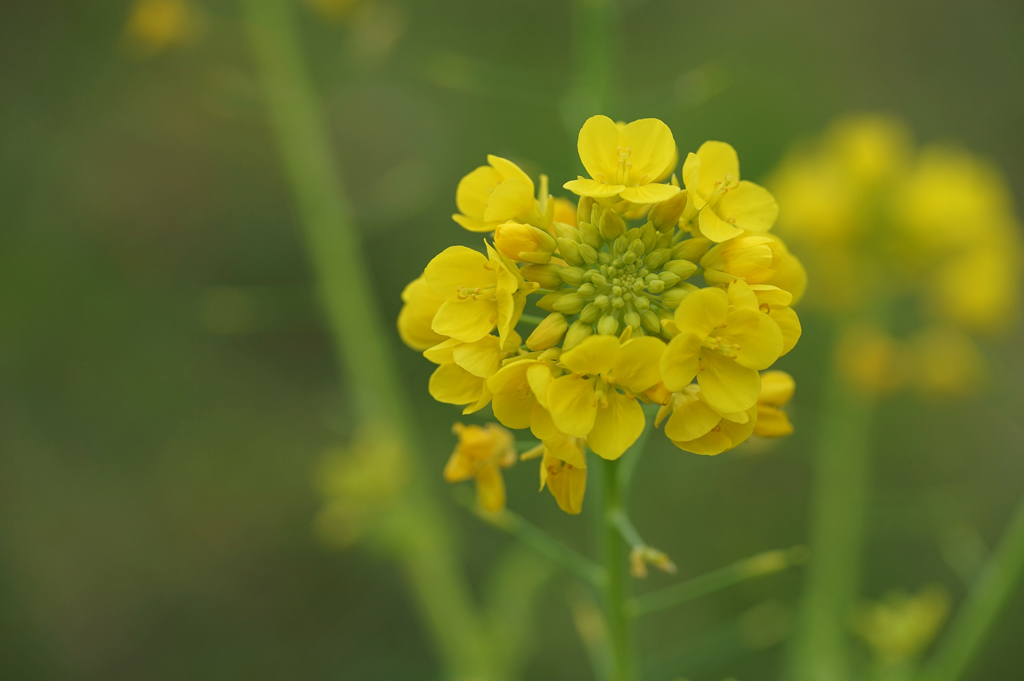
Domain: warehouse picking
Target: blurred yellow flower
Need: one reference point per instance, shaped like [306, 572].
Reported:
[901, 626]
[563, 470]
[481, 453]
[625, 161]
[871, 360]
[155, 25]
[776, 391]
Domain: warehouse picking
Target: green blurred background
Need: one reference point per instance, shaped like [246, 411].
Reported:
[167, 384]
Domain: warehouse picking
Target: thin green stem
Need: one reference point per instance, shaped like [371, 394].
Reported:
[420, 539]
[820, 651]
[756, 566]
[530, 319]
[995, 585]
[616, 591]
[543, 543]
[631, 458]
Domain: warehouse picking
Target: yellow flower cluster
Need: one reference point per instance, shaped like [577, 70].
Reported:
[924, 237]
[653, 293]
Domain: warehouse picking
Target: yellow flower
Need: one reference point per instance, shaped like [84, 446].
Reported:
[565, 211]
[750, 258]
[420, 304]
[901, 626]
[155, 25]
[980, 288]
[587, 402]
[627, 161]
[464, 369]
[496, 193]
[776, 391]
[479, 293]
[481, 453]
[563, 469]
[775, 303]
[723, 341]
[871, 360]
[694, 426]
[520, 392]
[524, 243]
[946, 361]
[723, 204]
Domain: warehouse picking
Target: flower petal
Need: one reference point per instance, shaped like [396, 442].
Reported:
[649, 193]
[617, 426]
[482, 358]
[679, 362]
[717, 159]
[456, 268]
[725, 385]
[513, 409]
[594, 355]
[572, 404]
[473, 190]
[452, 384]
[598, 144]
[691, 418]
[701, 311]
[691, 180]
[507, 169]
[637, 365]
[714, 227]
[509, 200]
[466, 320]
[776, 388]
[749, 206]
[757, 336]
[593, 188]
[789, 325]
[651, 149]
[490, 489]
[421, 304]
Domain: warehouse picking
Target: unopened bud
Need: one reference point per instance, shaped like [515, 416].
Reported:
[590, 235]
[599, 280]
[630, 257]
[586, 290]
[665, 215]
[650, 321]
[583, 209]
[569, 304]
[621, 243]
[596, 211]
[656, 286]
[691, 249]
[548, 333]
[588, 253]
[684, 269]
[577, 332]
[565, 231]
[611, 225]
[656, 258]
[608, 326]
[641, 303]
[590, 313]
[602, 301]
[524, 243]
[670, 279]
[676, 294]
[570, 251]
[573, 276]
[604, 257]
[545, 275]
[637, 247]
[632, 319]
[649, 236]
[548, 301]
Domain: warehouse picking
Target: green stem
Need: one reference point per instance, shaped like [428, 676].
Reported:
[616, 591]
[820, 651]
[530, 319]
[543, 543]
[995, 585]
[421, 540]
[749, 568]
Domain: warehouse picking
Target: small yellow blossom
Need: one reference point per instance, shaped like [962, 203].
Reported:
[724, 340]
[420, 304]
[722, 204]
[587, 402]
[464, 369]
[496, 193]
[155, 25]
[479, 293]
[626, 162]
[695, 426]
[776, 391]
[901, 626]
[520, 392]
[481, 453]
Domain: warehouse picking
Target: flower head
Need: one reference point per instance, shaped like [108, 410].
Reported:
[496, 193]
[695, 426]
[563, 470]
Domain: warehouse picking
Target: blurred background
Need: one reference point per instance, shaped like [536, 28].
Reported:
[167, 385]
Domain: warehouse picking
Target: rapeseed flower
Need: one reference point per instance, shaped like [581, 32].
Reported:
[481, 453]
[639, 302]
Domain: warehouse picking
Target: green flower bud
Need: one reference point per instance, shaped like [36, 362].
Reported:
[602, 301]
[691, 249]
[657, 258]
[684, 269]
[618, 302]
[587, 290]
[631, 318]
[548, 333]
[608, 326]
[570, 251]
[665, 215]
[588, 253]
[620, 244]
[670, 279]
[545, 275]
[641, 303]
[596, 211]
[548, 301]
[583, 209]
[577, 332]
[590, 235]
[564, 231]
[650, 321]
[573, 276]
[656, 286]
[675, 295]
[611, 225]
[599, 280]
[604, 257]
[570, 304]
[630, 257]
[649, 236]
[590, 313]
